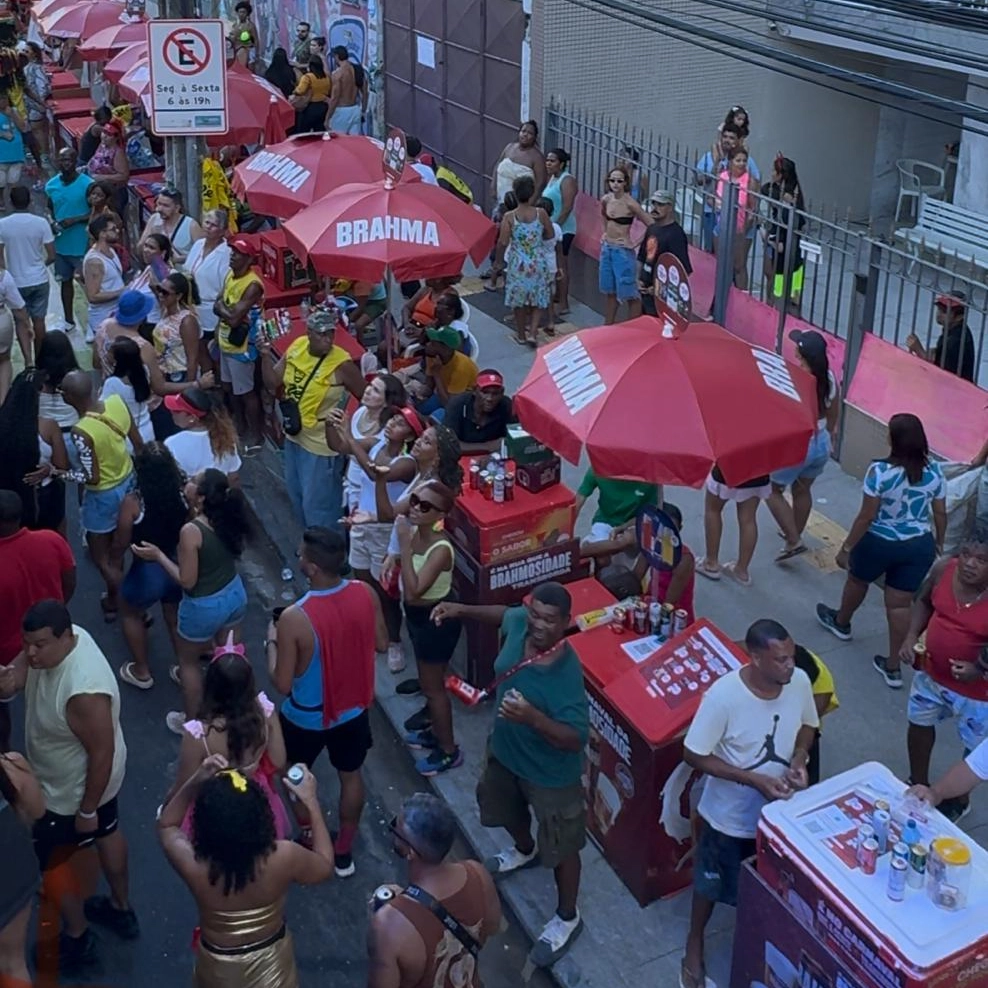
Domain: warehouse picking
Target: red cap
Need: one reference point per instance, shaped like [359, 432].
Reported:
[490, 379]
[177, 403]
[412, 418]
[243, 246]
[952, 300]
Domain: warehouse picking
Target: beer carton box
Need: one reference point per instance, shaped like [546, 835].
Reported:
[535, 477]
[522, 448]
[279, 264]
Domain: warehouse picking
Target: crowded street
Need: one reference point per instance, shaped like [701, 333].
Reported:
[552, 556]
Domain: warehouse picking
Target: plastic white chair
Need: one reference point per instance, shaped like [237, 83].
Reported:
[911, 183]
[474, 353]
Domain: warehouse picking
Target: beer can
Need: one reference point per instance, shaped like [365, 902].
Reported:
[868, 856]
[900, 850]
[617, 622]
[916, 877]
[882, 804]
[509, 486]
[665, 626]
[474, 475]
[880, 820]
[655, 617]
[295, 774]
[641, 617]
[629, 615]
[498, 487]
[488, 488]
[382, 895]
[919, 655]
[679, 619]
[865, 832]
[896, 889]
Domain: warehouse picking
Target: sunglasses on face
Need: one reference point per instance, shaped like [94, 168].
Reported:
[416, 502]
[161, 291]
[393, 827]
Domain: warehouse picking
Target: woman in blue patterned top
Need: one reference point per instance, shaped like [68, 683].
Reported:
[898, 533]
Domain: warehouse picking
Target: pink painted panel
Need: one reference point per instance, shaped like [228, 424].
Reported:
[889, 380]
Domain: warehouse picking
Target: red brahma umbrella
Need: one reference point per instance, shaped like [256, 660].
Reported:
[414, 229]
[82, 20]
[665, 410]
[111, 40]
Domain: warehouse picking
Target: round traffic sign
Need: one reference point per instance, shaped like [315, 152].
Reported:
[187, 51]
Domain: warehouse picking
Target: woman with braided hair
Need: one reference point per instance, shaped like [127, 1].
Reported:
[240, 872]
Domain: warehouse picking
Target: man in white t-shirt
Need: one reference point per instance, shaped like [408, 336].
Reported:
[28, 248]
[961, 778]
[76, 747]
[751, 738]
[413, 146]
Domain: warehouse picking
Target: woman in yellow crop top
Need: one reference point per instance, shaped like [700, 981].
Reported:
[426, 579]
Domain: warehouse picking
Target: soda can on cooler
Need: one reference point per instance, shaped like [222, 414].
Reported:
[880, 820]
[474, 475]
[498, 487]
[916, 876]
[641, 617]
[900, 850]
[617, 621]
[679, 619]
[629, 614]
[868, 856]
[896, 890]
[655, 616]
[488, 488]
[509, 486]
[865, 832]
[665, 626]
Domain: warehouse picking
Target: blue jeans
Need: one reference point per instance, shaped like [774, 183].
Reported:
[201, 619]
[315, 486]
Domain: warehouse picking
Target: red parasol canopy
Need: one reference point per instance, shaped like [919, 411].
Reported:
[38, 10]
[254, 107]
[284, 178]
[82, 20]
[665, 410]
[116, 67]
[109, 41]
[415, 229]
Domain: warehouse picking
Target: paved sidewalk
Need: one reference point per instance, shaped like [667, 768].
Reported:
[623, 945]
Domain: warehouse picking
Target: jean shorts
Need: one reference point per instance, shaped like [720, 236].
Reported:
[930, 703]
[147, 583]
[617, 275]
[67, 266]
[98, 514]
[817, 454]
[36, 300]
[201, 619]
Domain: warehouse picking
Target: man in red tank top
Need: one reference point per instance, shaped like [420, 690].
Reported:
[952, 681]
[410, 947]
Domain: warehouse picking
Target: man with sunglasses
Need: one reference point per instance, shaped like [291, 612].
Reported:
[408, 943]
[535, 751]
[664, 236]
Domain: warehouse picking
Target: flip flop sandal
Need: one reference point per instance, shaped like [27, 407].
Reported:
[703, 570]
[733, 574]
[127, 675]
[796, 550]
[175, 675]
[689, 980]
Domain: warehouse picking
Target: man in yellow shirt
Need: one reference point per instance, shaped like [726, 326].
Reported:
[315, 375]
[448, 370]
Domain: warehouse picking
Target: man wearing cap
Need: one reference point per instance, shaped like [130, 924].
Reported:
[479, 418]
[102, 271]
[448, 370]
[239, 309]
[664, 236]
[67, 203]
[318, 376]
[954, 351]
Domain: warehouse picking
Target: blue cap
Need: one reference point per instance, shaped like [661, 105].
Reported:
[133, 308]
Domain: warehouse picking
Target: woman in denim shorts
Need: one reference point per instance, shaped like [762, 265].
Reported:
[792, 519]
[214, 599]
[618, 273]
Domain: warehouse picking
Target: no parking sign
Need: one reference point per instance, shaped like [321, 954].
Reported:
[188, 77]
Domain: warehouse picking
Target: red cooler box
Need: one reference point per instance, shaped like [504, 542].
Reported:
[807, 848]
[643, 694]
[279, 265]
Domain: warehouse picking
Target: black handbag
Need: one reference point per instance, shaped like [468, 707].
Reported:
[291, 412]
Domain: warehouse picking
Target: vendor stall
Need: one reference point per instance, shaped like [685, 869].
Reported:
[643, 693]
[851, 897]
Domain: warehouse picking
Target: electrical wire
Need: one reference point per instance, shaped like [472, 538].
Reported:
[929, 106]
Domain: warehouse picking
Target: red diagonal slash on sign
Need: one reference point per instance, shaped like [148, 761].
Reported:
[181, 40]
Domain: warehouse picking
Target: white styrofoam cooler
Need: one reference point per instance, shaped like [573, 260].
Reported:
[806, 848]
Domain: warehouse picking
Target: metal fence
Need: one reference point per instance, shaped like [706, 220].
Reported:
[854, 279]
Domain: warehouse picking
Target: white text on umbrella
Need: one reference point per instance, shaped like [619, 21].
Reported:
[575, 374]
[775, 373]
[398, 228]
[283, 170]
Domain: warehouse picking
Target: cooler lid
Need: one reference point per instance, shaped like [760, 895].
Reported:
[661, 691]
[819, 827]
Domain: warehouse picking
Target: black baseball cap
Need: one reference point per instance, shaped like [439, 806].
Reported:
[809, 342]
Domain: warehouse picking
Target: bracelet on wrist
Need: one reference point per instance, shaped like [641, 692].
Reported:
[87, 816]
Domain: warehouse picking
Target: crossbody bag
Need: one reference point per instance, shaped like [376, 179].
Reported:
[290, 408]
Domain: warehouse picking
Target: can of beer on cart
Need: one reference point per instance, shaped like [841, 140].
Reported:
[896, 889]
[880, 820]
[641, 617]
[679, 620]
[900, 850]
[475, 475]
[655, 616]
[916, 876]
[665, 626]
[487, 486]
[618, 619]
[866, 832]
[868, 856]
[509, 486]
[498, 487]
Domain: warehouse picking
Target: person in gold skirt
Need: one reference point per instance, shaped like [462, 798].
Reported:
[239, 874]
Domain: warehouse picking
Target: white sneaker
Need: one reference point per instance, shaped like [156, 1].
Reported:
[396, 657]
[175, 719]
[557, 937]
[510, 859]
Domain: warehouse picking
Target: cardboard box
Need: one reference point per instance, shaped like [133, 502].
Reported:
[279, 264]
[522, 448]
[535, 477]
